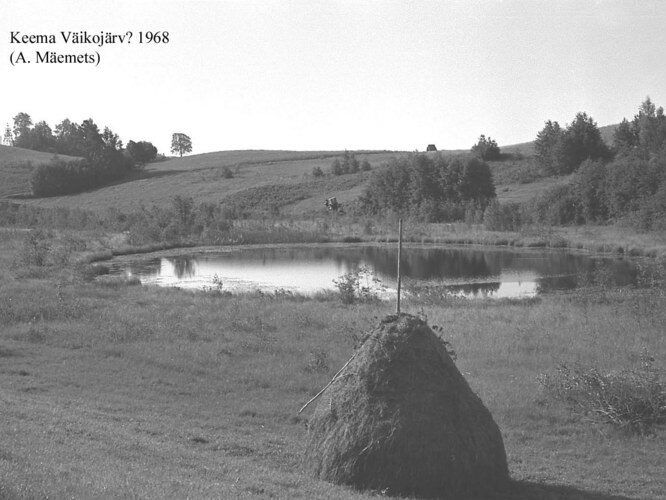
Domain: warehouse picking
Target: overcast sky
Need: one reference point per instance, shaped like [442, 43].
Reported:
[338, 74]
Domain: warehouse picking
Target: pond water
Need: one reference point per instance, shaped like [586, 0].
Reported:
[469, 272]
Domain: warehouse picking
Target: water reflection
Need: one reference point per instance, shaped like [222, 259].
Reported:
[461, 271]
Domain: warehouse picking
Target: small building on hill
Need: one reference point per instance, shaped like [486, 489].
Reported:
[431, 147]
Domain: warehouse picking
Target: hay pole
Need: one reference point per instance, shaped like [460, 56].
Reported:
[397, 309]
[327, 385]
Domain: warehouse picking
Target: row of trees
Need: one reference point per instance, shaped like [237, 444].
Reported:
[84, 140]
[561, 150]
[102, 156]
[349, 165]
[429, 188]
[624, 182]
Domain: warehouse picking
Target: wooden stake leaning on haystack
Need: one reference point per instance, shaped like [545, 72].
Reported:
[314, 398]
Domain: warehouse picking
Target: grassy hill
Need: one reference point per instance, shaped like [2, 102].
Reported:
[261, 178]
[15, 169]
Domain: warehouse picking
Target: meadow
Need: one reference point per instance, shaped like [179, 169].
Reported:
[254, 173]
[112, 389]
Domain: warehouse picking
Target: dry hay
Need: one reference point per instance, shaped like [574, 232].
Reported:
[401, 419]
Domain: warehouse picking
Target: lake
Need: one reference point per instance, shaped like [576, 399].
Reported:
[470, 272]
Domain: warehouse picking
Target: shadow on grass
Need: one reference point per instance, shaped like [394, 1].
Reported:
[143, 174]
[528, 490]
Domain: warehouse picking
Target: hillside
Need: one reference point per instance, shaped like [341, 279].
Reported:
[264, 179]
[15, 169]
[269, 177]
[234, 158]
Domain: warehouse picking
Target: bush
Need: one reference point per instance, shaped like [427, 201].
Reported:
[357, 285]
[141, 152]
[487, 149]
[629, 399]
[556, 206]
[317, 172]
[60, 177]
[503, 217]
[36, 247]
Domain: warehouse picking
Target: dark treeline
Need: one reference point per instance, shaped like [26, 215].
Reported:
[625, 182]
[630, 186]
[430, 188]
[102, 156]
[560, 151]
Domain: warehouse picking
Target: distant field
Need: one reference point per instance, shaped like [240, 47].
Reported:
[202, 178]
[15, 173]
[242, 157]
[267, 179]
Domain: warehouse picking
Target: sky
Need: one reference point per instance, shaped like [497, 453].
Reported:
[333, 75]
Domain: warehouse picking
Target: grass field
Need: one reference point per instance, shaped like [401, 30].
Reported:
[131, 391]
[202, 177]
[199, 176]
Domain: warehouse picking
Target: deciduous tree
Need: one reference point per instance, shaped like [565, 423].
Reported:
[181, 143]
[486, 149]
[141, 152]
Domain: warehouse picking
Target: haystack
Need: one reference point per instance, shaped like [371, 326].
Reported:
[402, 419]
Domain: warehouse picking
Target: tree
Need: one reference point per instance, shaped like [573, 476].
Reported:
[181, 143]
[477, 182]
[589, 188]
[41, 137]
[111, 140]
[486, 149]
[561, 151]
[90, 140]
[582, 142]
[8, 138]
[141, 152]
[350, 164]
[625, 137]
[650, 127]
[68, 138]
[22, 129]
[549, 148]
[336, 167]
